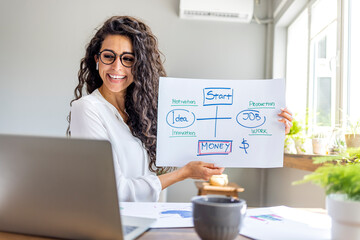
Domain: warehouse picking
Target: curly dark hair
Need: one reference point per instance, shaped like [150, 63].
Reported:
[141, 96]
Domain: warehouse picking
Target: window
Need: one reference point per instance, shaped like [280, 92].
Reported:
[296, 67]
[353, 56]
[322, 76]
[323, 63]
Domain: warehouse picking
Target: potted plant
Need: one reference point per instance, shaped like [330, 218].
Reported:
[341, 180]
[352, 137]
[319, 143]
[300, 141]
[337, 142]
[289, 145]
[294, 140]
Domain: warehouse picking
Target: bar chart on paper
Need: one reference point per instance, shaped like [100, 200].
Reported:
[232, 123]
[169, 215]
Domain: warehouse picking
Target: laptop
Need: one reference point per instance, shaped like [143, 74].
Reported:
[63, 188]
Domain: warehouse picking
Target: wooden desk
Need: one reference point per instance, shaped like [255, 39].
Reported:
[230, 190]
[151, 234]
[175, 234]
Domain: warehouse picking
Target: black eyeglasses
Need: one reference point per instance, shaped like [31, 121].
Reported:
[108, 57]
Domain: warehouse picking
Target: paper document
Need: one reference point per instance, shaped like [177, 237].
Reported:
[169, 215]
[284, 223]
[280, 223]
[232, 123]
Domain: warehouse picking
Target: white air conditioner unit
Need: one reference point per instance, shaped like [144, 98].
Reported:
[220, 10]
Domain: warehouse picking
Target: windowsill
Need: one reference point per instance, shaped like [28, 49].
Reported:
[301, 161]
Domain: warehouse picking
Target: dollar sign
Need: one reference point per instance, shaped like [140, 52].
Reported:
[245, 145]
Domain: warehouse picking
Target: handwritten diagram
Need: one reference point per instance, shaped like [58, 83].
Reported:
[228, 122]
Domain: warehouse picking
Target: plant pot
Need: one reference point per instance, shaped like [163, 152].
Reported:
[352, 140]
[300, 146]
[345, 217]
[319, 145]
[289, 145]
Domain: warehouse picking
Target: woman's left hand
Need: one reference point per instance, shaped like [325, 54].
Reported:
[286, 119]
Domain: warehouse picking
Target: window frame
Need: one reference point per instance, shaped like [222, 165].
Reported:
[281, 23]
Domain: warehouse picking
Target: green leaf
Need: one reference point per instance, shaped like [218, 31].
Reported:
[343, 179]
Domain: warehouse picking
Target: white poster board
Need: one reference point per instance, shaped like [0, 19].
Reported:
[232, 123]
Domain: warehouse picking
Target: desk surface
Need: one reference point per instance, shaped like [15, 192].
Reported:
[152, 234]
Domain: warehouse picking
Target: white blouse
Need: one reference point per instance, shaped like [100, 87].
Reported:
[93, 117]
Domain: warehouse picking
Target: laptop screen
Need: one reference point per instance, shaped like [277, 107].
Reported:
[58, 187]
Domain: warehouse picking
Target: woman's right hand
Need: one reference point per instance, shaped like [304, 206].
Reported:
[195, 170]
[200, 170]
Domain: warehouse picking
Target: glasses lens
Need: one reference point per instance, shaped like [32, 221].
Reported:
[107, 57]
[127, 60]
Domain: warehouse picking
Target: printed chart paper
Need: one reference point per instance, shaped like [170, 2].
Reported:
[232, 123]
[278, 222]
[169, 215]
[284, 223]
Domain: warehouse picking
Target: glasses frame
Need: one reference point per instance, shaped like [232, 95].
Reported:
[116, 55]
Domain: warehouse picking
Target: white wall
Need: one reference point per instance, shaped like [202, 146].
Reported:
[280, 191]
[42, 42]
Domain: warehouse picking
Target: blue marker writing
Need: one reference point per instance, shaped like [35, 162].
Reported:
[180, 118]
[245, 145]
[250, 118]
[218, 96]
[214, 147]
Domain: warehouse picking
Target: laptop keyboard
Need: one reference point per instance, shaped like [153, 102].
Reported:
[128, 229]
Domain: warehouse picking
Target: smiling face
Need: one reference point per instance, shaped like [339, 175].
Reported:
[115, 76]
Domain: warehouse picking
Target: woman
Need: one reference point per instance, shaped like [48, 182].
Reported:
[121, 70]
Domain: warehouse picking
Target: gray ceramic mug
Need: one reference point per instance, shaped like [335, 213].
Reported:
[218, 218]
